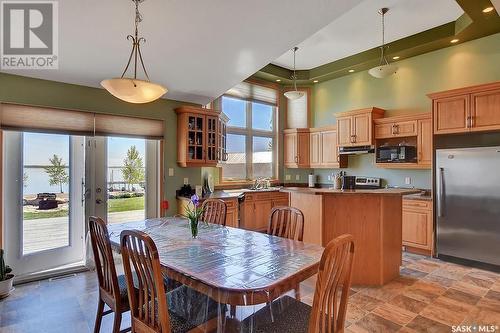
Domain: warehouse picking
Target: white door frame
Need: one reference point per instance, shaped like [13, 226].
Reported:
[30, 265]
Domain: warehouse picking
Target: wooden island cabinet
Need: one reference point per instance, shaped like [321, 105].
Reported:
[418, 225]
[373, 217]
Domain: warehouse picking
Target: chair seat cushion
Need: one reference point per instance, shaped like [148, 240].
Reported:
[289, 315]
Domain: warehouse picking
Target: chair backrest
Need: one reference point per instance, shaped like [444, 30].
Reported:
[332, 287]
[146, 293]
[214, 211]
[103, 258]
[287, 222]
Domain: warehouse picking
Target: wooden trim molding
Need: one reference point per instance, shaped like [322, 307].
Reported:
[1, 188]
[465, 90]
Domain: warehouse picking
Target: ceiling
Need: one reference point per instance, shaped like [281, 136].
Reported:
[359, 29]
[198, 49]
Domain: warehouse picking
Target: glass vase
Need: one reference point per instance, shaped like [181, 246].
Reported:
[194, 227]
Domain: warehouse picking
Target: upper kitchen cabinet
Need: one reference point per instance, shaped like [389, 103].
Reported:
[296, 148]
[355, 128]
[413, 133]
[200, 136]
[470, 109]
[298, 111]
[324, 149]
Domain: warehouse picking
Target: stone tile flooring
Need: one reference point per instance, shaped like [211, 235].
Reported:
[429, 296]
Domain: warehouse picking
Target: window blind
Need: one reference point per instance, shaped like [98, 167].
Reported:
[43, 119]
[254, 92]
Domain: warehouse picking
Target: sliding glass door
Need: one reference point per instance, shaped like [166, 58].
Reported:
[43, 200]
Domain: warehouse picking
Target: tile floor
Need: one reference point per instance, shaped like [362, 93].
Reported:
[429, 296]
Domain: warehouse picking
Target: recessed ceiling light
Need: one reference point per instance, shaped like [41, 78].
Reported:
[278, 80]
[395, 58]
[315, 81]
[351, 71]
[488, 9]
[453, 41]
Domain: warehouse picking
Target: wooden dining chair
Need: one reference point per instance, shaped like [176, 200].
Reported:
[287, 222]
[214, 211]
[328, 312]
[112, 288]
[151, 309]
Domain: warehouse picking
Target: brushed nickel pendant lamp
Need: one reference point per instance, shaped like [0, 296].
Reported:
[294, 94]
[134, 90]
[384, 69]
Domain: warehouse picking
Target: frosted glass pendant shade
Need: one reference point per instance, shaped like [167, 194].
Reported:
[294, 94]
[383, 71]
[133, 90]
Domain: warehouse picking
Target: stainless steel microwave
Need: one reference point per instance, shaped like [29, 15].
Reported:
[396, 154]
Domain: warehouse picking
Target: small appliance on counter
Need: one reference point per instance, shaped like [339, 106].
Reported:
[348, 182]
[185, 191]
[396, 154]
[312, 180]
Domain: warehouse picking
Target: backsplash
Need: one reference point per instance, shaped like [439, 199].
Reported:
[363, 165]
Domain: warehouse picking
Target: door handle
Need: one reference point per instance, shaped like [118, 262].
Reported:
[98, 201]
[441, 193]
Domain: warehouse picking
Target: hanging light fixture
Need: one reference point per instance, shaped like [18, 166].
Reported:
[294, 94]
[133, 90]
[384, 69]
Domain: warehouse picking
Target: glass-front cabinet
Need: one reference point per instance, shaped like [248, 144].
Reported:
[200, 136]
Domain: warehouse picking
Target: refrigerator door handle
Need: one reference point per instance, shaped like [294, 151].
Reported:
[440, 193]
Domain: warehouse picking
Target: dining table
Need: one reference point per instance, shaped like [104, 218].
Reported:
[232, 266]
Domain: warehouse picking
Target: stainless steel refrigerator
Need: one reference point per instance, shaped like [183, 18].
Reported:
[468, 203]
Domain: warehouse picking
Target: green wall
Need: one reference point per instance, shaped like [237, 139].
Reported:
[466, 64]
[24, 90]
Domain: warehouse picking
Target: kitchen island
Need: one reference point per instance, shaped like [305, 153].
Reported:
[373, 217]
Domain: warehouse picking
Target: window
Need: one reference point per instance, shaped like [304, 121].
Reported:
[251, 139]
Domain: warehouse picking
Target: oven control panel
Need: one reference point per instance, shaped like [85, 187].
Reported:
[367, 182]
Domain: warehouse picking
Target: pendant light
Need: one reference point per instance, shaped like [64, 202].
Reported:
[294, 94]
[133, 90]
[384, 69]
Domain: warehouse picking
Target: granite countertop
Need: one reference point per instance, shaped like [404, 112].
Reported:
[381, 191]
[422, 195]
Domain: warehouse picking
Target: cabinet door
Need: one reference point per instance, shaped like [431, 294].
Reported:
[211, 136]
[384, 131]
[303, 149]
[416, 231]
[344, 131]
[362, 129]
[196, 138]
[329, 150]
[290, 150]
[222, 141]
[315, 150]
[424, 144]
[451, 114]
[232, 218]
[262, 209]
[485, 110]
[405, 128]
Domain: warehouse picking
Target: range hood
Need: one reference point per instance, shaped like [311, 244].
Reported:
[356, 150]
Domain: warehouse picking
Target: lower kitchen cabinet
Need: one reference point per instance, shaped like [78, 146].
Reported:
[231, 214]
[418, 226]
[256, 207]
